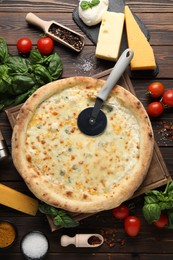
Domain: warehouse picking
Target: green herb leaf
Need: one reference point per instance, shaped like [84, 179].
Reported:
[3, 51]
[89, 4]
[20, 77]
[47, 209]
[64, 220]
[36, 57]
[60, 216]
[150, 199]
[151, 212]
[170, 218]
[54, 65]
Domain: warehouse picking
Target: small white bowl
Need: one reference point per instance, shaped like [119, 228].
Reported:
[34, 245]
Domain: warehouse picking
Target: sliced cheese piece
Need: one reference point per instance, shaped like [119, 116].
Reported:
[110, 34]
[17, 200]
[143, 58]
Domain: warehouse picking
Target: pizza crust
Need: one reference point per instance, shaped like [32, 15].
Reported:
[102, 191]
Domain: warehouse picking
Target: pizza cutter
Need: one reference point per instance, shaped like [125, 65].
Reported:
[92, 121]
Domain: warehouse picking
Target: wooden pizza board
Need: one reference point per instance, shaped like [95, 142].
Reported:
[157, 175]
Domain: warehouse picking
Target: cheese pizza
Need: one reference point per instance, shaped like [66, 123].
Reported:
[67, 169]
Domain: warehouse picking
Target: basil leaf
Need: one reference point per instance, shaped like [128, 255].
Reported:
[89, 4]
[170, 218]
[60, 216]
[84, 5]
[170, 189]
[36, 57]
[54, 66]
[3, 51]
[166, 205]
[18, 65]
[47, 209]
[41, 74]
[151, 199]
[5, 80]
[64, 220]
[95, 2]
[21, 84]
[151, 212]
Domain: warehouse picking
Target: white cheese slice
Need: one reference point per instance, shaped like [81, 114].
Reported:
[110, 34]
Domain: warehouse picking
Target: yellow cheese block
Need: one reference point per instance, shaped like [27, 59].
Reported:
[16, 200]
[110, 34]
[143, 58]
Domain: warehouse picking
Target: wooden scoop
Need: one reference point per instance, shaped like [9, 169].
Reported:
[58, 32]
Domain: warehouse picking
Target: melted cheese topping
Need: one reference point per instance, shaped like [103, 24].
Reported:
[77, 163]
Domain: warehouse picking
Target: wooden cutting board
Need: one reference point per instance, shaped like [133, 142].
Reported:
[157, 175]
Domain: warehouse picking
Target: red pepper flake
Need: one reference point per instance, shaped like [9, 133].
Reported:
[166, 131]
[110, 237]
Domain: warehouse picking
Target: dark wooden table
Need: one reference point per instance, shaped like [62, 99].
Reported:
[151, 243]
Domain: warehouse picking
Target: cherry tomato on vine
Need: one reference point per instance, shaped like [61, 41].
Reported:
[121, 212]
[155, 89]
[45, 45]
[24, 45]
[155, 109]
[167, 98]
[162, 221]
[132, 225]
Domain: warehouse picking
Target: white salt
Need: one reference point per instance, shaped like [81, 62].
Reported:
[35, 245]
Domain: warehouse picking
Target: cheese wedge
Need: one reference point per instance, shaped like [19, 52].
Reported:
[110, 34]
[17, 200]
[143, 58]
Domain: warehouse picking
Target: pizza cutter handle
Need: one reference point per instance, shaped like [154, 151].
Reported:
[116, 73]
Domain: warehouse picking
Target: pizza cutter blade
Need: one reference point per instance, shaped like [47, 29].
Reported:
[92, 121]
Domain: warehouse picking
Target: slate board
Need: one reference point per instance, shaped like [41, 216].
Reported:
[93, 31]
[158, 174]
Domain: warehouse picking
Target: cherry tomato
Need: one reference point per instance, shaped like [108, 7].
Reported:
[162, 221]
[132, 225]
[155, 109]
[24, 45]
[121, 212]
[167, 98]
[45, 45]
[155, 89]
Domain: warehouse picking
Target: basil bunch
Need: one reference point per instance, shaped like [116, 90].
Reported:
[157, 201]
[60, 216]
[20, 77]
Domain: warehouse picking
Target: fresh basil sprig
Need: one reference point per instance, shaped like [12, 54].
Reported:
[60, 216]
[20, 76]
[157, 201]
[89, 4]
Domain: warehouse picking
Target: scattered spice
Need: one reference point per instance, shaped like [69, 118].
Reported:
[34, 245]
[110, 237]
[67, 36]
[7, 234]
[166, 131]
